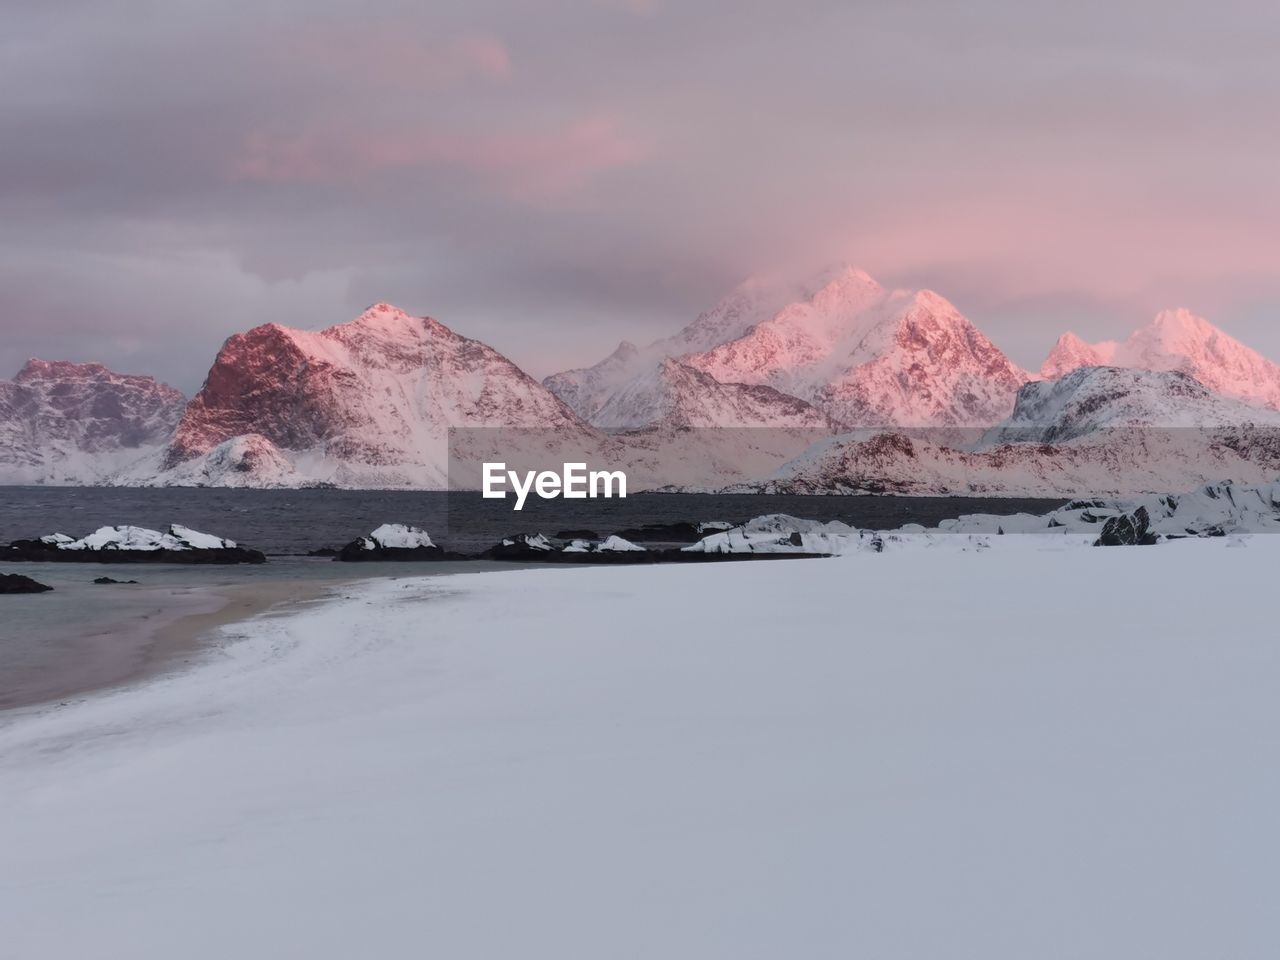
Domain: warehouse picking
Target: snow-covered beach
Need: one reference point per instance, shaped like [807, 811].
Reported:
[1032, 748]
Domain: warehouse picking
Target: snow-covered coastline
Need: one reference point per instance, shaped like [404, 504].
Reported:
[941, 751]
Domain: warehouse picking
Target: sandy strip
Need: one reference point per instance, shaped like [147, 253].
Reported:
[179, 643]
[169, 632]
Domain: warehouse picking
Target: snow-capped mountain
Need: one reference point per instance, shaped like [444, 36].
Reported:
[704, 433]
[1092, 399]
[370, 403]
[674, 394]
[365, 403]
[598, 393]
[1178, 340]
[1098, 431]
[868, 356]
[77, 423]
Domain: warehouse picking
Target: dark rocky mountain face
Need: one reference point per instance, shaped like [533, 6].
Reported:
[78, 422]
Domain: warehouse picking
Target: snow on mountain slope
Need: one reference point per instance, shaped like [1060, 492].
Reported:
[76, 423]
[1106, 398]
[1099, 431]
[1178, 340]
[596, 393]
[1072, 353]
[673, 394]
[873, 357]
[365, 403]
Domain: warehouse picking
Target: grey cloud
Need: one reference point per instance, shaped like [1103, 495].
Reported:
[553, 177]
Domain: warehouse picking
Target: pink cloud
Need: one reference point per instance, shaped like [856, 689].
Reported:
[528, 165]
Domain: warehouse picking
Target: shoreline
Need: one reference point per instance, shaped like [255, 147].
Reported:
[159, 641]
[137, 634]
[176, 645]
[545, 747]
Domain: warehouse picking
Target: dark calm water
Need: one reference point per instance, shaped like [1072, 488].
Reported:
[295, 521]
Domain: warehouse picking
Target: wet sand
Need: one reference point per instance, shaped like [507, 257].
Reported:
[83, 638]
[176, 644]
[152, 632]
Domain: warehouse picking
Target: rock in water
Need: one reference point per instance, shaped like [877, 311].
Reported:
[128, 544]
[394, 541]
[522, 546]
[17, 583]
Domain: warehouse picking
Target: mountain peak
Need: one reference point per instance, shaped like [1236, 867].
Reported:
[1180, 318]
[624, 352]
[867, 356]
[386, 316]
[846, 287]
[1178, 340]
[366, 402]
[35, 368]
[1071, 353]
[933, 301]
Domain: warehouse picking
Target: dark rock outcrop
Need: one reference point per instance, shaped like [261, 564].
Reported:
[17, 583]
[40, 552]
[1127, 530]
[395, 541]
[126, 543]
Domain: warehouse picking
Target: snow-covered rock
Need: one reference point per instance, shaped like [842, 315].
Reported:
[79, 423]
[1213, 510]
[541, 548]
[616, 544]
[399, 536]
[613, 544]
[393, 541]
[534, 541]
[140, 538]
[868, 356]
[780, 533]
[132, 543]
[1178, 340]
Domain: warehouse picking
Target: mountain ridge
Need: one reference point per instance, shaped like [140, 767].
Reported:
[72, 423]
[1177, 340]
[370, 402]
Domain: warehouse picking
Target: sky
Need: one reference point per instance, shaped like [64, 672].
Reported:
[552, 177]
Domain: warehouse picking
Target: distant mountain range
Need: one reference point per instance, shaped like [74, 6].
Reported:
[832, 385]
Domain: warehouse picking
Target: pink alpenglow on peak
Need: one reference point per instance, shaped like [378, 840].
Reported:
[1072, 353]
[365, 403]
[1177, 340]
[868, 356]
[599, 393]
